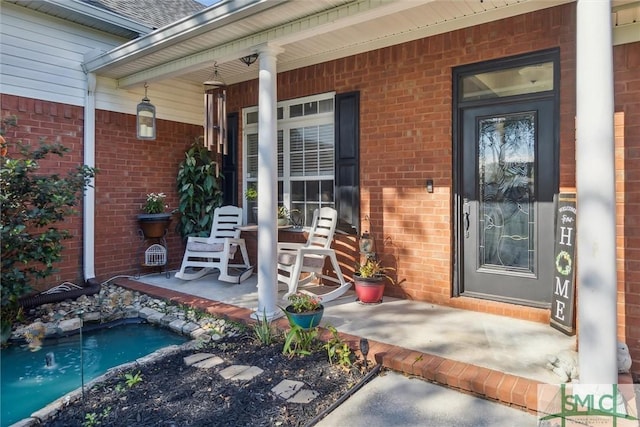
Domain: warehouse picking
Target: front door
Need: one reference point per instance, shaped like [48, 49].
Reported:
[506, 218]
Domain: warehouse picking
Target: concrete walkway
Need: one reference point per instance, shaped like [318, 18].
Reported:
[497, 358]
[393, 399]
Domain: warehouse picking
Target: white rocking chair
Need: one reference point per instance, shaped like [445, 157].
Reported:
[297, 258]
[214, 252]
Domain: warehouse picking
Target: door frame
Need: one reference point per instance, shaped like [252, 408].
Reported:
[458, 107]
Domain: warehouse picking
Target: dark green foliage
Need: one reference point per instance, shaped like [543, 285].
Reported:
[33, 208]
[199, 192]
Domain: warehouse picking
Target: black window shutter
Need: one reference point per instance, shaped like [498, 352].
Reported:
[347, 137]
[229, 166]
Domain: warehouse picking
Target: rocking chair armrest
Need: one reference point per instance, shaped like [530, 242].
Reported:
[289, 246]
[207, 240]
[315, 251]
[233, 240]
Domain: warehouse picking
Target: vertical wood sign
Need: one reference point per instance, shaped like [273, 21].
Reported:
[563, 298]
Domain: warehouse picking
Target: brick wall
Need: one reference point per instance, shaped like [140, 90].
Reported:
[128, 169]
[627, 138]
[64, 124]
[405, 110]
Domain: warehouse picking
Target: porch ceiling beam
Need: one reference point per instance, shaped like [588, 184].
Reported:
[628, 33]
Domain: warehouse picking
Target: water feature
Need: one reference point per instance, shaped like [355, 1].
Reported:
[30, 380]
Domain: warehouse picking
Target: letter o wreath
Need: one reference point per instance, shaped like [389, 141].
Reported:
[563, 258]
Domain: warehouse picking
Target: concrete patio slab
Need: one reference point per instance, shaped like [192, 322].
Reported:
[499, 358]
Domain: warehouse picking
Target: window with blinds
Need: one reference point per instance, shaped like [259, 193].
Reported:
[306, 155]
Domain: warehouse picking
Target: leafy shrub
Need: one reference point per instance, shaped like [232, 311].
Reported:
[33, 206]
[199, 192]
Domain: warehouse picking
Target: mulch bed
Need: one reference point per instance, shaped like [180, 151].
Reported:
[173, 394]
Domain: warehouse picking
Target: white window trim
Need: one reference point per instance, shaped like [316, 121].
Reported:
[285, 124]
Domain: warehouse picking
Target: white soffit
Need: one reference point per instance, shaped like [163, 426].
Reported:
[310, 32]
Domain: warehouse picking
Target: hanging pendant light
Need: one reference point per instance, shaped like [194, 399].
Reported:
[215, 110]
[146, 118]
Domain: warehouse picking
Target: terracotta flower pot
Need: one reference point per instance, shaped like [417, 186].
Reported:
[369, 290]
[307, 319]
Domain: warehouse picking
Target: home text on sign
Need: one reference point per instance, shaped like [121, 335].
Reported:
[563, 298]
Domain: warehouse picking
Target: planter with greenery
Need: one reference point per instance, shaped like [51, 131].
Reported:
[369, 281]
[304, 310]
[283, 216]
[199, 191]
[251, 196]
[154, 222]
[33, 208]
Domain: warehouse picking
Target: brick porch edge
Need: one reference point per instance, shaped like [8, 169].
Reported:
[494, 385]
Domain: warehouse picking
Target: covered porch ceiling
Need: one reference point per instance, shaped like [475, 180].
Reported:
[309, 32]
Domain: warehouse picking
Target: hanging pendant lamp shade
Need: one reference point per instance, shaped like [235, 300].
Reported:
[146, 118]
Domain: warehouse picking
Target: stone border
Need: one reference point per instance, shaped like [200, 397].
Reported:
[111, 305]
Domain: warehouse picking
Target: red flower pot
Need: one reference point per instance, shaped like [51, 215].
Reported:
[369, 290]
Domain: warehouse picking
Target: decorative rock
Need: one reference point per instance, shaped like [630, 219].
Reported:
[177, 325]
[189, 328]
[92, 317]
[70, 325]
[108, 305]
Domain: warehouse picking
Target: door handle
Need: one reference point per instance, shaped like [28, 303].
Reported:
[466, 212]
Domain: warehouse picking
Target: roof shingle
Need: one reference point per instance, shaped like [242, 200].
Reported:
[155, 13]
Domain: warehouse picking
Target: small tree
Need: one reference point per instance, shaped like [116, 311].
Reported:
[199, 191]
[32, 205]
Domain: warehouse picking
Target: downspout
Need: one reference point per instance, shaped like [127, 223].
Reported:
[89, 209]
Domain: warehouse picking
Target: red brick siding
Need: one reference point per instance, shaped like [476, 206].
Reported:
[406, 117]
[64, 124]
[129, 169]
[627, 137]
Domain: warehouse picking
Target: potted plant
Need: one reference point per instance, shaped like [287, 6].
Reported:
[283, 216]
[154, 221]
[304, 310]
[251, 194]
[369, 281]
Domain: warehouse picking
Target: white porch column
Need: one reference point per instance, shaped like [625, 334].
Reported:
[596, 225]
[267, 185]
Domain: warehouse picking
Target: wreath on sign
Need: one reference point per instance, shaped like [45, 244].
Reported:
[563, 263]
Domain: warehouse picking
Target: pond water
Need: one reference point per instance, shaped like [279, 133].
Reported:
[31, 380]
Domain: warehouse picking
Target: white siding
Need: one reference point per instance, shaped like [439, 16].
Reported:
[41, 57]
[175, 100]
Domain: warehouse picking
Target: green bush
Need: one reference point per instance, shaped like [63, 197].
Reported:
[199, 192]
[33, 206]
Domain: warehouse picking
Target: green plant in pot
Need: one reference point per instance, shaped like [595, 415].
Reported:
[304, 310]
[369, 280]
[154, 222]
[283, 215]
[251, 195]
